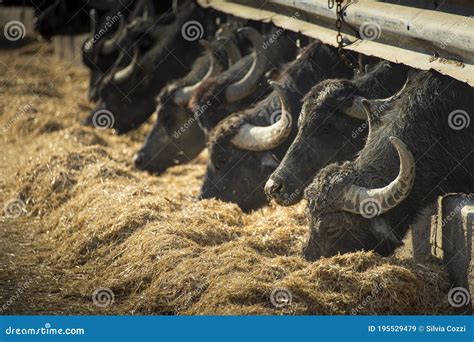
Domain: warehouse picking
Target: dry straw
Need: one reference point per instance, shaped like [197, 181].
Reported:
[93, 221]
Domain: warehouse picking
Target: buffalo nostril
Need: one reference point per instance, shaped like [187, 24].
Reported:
[138, 160]
[272, 187]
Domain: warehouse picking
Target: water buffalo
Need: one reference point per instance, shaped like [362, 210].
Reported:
[420, 149]
[242, 84]
[176, 137]
[120, 31]
[244, 150]
[101, 50]
[330, 128]
[127, 93]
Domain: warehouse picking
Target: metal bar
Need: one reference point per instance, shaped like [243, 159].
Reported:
[418, 37]
[438, 29]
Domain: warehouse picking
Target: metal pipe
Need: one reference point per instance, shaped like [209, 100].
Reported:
[438, 29]
[418, 37]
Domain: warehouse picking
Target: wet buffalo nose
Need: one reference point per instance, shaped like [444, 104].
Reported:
[273, 187]
[139, 160]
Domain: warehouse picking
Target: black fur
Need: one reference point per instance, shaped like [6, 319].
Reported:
[176, 137]
[326, 134]
[444, 160]
[171, 56]
[211, 94]
[239, 176]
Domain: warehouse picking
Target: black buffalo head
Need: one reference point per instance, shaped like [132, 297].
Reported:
[225, 90]
[414, 153]
[242, 155]
[127, 93]
[176, 138]
[332, 127]
[247, 147]
[245, 82]
[127, 26]
[346, 216]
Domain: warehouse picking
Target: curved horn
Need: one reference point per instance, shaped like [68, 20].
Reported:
[373, 118]
[240, 89]
[374, 202]
[110, 45]
[183, 95]
[360, 104]
[257, 138]
[124, 75]
[231, 49]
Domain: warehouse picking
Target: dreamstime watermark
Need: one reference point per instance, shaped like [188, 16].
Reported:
[463, 25]
[19, 291]
[457, 209]
[19, 113]
[14, 30]
[281, 297]
[192, 30]
[459, 297]
[109, 23]
[14, 208]
[103, 119]
[46, 330]
[370, 30]
[274, 37]
[289, 198]
[197, 112]
[275, 116]
[376, 112]
[370, 207]
[103, 297]
[459, 119]
[377, 289]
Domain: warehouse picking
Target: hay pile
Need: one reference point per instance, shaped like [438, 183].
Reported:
[93, 221]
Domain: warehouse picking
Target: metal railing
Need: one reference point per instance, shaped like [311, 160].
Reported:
[417, 35]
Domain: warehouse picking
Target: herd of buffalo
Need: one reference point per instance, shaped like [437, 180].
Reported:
[283, 116]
